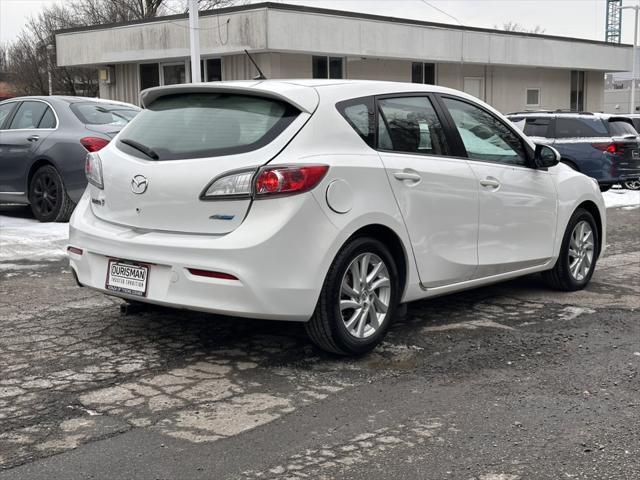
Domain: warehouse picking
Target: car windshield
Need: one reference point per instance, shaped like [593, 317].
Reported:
[621, 128]
[197, 125]
[93, 113]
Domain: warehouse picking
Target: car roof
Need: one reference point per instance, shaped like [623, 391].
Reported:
[305, 94]
[69, 99]
[551, 114]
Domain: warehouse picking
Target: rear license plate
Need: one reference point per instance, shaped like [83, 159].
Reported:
[127, 277]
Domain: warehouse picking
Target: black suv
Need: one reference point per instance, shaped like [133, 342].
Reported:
[604, 147]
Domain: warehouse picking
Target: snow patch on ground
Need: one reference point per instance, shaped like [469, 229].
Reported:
[621, 198]
[28, 239]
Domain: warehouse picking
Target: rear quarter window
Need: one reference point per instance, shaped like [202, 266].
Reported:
[198, 125]
[360, 114]
[620, 128]
[580, 127]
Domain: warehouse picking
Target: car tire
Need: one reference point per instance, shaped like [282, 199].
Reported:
[632, 184]
[343, 321]
[570, 273]
[48, 196]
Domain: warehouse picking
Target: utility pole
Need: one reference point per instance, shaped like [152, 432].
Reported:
[49, 49]
[194, 40]
[632, 103]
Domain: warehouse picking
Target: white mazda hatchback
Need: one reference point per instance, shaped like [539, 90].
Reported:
[326, 202]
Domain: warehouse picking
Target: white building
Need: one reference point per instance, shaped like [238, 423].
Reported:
[512, 71]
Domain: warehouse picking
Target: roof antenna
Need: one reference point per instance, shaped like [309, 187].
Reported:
[261, 75]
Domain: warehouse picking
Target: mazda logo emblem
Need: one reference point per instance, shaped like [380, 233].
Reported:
[139, 184]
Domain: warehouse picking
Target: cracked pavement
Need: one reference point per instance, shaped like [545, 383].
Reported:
[507, 382]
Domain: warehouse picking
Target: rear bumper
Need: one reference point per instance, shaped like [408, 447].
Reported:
[277, 254]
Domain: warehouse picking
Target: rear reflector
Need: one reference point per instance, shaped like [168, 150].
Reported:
[77, 251]
[211, 274]
[94, 144]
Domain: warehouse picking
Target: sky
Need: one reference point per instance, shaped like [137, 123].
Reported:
[573, 18]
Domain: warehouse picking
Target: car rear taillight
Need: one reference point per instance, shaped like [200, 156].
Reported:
[280, 180]
[94, 144]
[608, 147]
[93, 170]
[288, 180]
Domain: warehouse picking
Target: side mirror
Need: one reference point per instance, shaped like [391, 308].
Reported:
[546, 156]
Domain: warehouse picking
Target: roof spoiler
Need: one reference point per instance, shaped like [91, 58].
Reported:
[304, 99]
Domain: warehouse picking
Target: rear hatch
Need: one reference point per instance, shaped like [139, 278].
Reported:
[198, 134]
[625, 148]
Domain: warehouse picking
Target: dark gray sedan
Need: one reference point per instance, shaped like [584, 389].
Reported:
[43, 145]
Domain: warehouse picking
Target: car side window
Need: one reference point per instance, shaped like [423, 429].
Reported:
[48, 120]
[28, 115]
[537, 127]
[359, 113]
[580, 127]
[484, 136]
[410, 124]
[5, 111]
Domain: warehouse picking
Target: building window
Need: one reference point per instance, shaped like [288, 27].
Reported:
[327, 67]
[174, 73]
[533, 97]
[577, 90]
[211, 70]
[149, 75]
[423, 73]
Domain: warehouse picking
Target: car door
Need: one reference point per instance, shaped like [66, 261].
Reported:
[437, 194]
[517, 218]
[31, 123]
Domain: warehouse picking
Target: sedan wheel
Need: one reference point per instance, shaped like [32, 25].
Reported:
[48, 197]
[632, 184]
[358, 300]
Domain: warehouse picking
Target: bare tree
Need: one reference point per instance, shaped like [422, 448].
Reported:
[516, 27]
[31, 57]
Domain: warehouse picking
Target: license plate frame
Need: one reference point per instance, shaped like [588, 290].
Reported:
[126, 282]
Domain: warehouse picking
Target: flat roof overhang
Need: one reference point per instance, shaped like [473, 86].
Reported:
[294, 29]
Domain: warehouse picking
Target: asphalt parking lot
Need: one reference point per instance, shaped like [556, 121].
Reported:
[509, 382]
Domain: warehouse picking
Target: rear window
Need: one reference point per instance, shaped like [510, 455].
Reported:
[578, 127]
[620, 128]
[103, 113]
[201, 125]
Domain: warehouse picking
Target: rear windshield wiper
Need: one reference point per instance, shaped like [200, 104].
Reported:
[141, 148]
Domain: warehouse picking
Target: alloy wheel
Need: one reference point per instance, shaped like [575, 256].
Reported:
[581, 250]
[45, 194]
[365, 294]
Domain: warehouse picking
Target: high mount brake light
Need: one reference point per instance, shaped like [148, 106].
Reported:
[288, 180]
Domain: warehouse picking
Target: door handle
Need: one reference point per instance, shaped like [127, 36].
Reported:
[490, 182]
[33, 138]
[414, 177]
